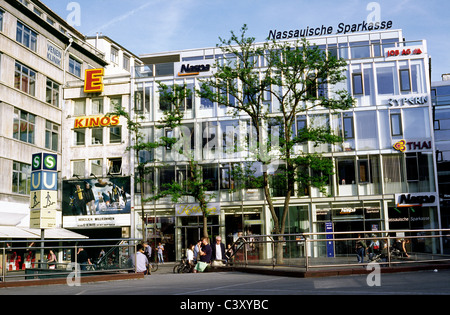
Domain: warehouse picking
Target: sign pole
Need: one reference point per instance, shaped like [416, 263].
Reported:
[42, 248]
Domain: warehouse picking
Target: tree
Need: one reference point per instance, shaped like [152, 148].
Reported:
[298, 77]
[194, 186]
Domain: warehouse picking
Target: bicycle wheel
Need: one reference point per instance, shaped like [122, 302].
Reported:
[154, 267]
[176, 269]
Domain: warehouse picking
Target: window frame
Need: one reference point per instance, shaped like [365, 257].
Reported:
[402, 80]
[24, 31]
[111, 132]
[24, 75]
[73, 69]
[50, 129]
[18, 178]
[54, 89]
[30, 126]
[398, 117]
[361, 83]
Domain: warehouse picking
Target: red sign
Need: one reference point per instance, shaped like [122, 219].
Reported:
[93, 80]
[403, 52]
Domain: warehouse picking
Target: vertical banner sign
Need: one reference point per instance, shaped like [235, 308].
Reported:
[330, 244]
[43, 191]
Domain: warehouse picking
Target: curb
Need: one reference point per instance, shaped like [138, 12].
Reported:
[83, 279]
[335, 272]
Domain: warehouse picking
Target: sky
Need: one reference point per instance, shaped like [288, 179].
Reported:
[154, 26]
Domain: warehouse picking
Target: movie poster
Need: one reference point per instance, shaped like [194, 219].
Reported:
[96, 196]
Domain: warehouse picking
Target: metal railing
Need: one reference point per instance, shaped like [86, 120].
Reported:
[25, 262]
[339, 249]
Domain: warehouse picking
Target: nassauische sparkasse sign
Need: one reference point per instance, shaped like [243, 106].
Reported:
[341, 28]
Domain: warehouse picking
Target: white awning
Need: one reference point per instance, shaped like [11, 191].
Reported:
[56, 233]
[14, 232]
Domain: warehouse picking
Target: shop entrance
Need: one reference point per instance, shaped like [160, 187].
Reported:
[346, 247]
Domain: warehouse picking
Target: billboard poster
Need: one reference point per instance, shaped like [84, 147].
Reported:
[96, 196]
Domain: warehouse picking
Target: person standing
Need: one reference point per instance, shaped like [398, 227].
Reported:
[197, 248]
[218, 252]
[360, 249]
[160, 249]
[205, 256]
[83, 259]
[51, 260]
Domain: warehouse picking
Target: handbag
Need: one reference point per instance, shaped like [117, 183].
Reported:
[201, 266]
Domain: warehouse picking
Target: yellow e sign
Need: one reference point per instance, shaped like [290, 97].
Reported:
[93, 80]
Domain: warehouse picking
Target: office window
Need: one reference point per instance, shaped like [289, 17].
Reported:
[96, 167]
[405, 84]
[115, 166]
[311, 87]
[97, 106]
[115, 134]
[1, 20]
[348, 127]
[357, 83]
[52, 93]
[114, 55]
[21, 178]
[51, 135]
[24, 126]
[360, 50]
[396, 124]
[78, 168]
[26, 36]
[211, 177]
[79, 107]
[385, 80]
[74, 67]
[97, 135]
[79, 137]
[37, 11]
[25, 79]
[205, 102]
[115, 102]
[345, 170]
[164, 99]
[126, 63]
[367, 81]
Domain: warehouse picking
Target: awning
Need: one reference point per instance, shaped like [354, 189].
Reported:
[14, 232]
[57, 233]
[11, 232]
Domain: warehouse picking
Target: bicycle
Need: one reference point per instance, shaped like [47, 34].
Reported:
[182, 267]
[154, 266]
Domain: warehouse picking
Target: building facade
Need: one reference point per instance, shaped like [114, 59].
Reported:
[39, 54]
[96, 159]
[440, 92]
[386, 162]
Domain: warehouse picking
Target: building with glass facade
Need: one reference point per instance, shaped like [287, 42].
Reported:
[440, 93]
[384, 166]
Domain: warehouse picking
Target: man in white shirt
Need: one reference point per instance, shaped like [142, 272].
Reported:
[218, 252]
[139, 260]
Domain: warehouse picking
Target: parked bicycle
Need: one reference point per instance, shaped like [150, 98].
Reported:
[182, 267]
